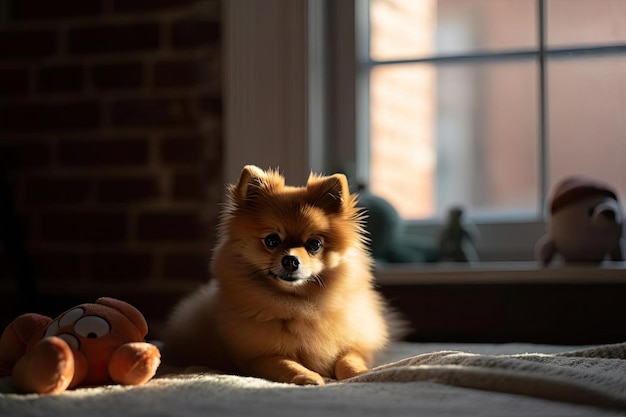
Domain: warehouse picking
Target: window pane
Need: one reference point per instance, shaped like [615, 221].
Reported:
[422, 28]
[585, 22]
[587, 104]
[461, 134]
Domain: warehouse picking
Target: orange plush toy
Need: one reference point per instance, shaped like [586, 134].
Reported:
[90, 344]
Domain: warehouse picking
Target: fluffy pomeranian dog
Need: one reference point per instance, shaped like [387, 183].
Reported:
[292, 296]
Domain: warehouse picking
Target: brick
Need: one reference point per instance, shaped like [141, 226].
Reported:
[46, 116]
[149, 5]
[126, 190]
[114, 39]
[155, 305]
[195, 33]
[174, 225]
[181, 150]
[152, 112]
[98, 153]
[57, 265]
[188, 266]
[213, 168]
[13, 81]
[20, 155]
[119, 266]
[181, 73]
[57, 190]
[213, 144]
[27, 43]
[83, 226]
[5, 268]
[210, 105]
[188, 187]
[34, 9]
[60, 78]
[117, 76]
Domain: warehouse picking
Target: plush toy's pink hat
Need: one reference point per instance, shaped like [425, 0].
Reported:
[573, 189]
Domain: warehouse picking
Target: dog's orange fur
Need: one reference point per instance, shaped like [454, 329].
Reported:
[255, 317]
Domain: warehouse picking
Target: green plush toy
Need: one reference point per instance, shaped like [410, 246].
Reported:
[389, 241]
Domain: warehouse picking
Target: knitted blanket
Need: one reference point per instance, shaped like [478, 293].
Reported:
[444, 382]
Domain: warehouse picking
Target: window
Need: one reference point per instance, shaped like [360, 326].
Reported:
[516, 108]
[487, 103]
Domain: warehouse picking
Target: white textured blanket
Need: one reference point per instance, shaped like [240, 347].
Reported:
[494, 380]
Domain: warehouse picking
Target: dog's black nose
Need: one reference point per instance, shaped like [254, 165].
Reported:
[290, 263]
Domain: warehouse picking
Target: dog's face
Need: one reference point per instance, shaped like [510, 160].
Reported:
[290, 237]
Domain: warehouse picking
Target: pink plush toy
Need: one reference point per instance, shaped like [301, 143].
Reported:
[585, 223]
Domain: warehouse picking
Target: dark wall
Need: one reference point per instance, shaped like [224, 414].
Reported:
[110, 146]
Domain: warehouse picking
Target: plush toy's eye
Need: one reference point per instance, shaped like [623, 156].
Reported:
[271, 241]
[313, 246]
[52, 329]
[92, 327]
[71, 340]
[71, 316]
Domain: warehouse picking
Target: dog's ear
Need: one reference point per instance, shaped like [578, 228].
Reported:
[331, 194]
[254, 180]
[249, 180]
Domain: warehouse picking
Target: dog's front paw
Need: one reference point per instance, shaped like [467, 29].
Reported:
[308, 379]
[350, 365]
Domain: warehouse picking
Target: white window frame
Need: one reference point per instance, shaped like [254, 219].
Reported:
[501, 238]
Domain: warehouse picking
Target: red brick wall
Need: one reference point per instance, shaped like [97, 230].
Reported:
[110, 138]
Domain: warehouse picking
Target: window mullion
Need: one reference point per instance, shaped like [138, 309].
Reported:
[543, 108]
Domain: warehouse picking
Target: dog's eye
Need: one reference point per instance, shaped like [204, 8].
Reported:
[271, 241]
[313, 246]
